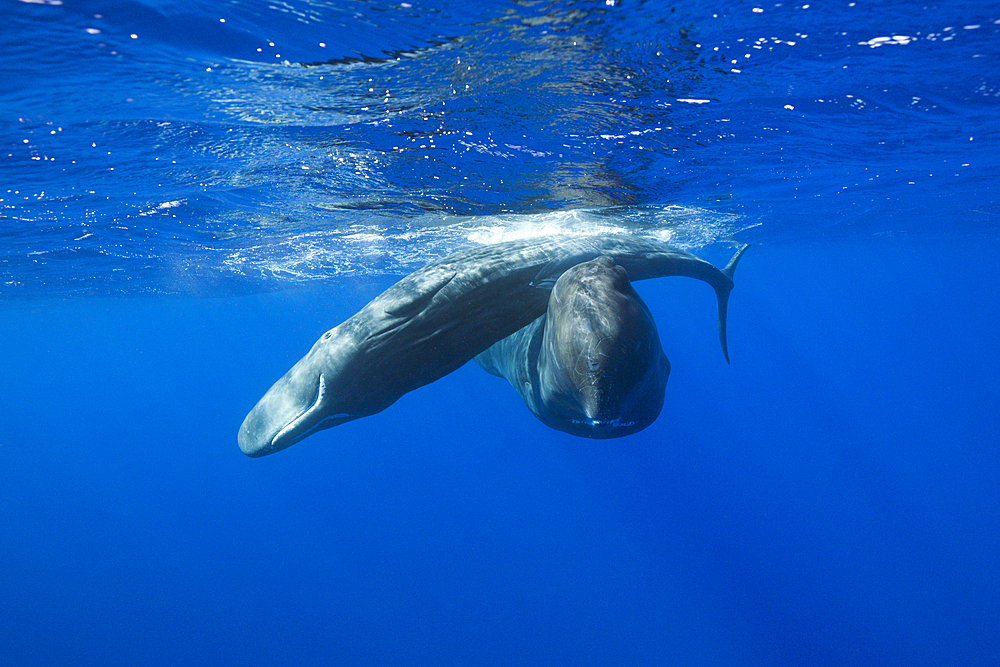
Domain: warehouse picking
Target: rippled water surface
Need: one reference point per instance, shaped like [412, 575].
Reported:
[174, 146]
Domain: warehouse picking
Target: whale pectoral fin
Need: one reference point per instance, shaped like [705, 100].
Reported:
[544, 283]
[723, 298]
[417, 301]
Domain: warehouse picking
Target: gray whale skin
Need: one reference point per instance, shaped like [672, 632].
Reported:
[438, 318]
[592, 365]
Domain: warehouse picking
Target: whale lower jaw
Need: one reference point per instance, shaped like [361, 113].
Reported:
[255, 437]
[282, 441]
[298, 427]
[307, 422]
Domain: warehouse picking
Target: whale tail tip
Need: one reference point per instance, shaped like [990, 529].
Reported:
[723, 297]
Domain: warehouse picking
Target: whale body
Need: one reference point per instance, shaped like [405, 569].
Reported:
[437, 319]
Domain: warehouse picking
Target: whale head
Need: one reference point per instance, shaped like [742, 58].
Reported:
[601, 370]
[324, 389]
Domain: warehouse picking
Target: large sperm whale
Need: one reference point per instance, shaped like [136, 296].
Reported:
[592, 365]
[438, 318]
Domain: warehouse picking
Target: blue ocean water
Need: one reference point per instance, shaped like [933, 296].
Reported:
[192, 192]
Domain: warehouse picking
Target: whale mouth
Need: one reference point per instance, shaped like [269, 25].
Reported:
[307, 422]
[293, 430]
[299, 429]
[255, 435]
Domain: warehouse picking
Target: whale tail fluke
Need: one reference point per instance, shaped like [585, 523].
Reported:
[723, 297]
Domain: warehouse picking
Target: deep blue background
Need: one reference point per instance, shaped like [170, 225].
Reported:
[830, 498]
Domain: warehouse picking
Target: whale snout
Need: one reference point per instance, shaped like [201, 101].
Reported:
[296, 406]
[270, 426]
[306, 399]
[609, 403]
[256, 433]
